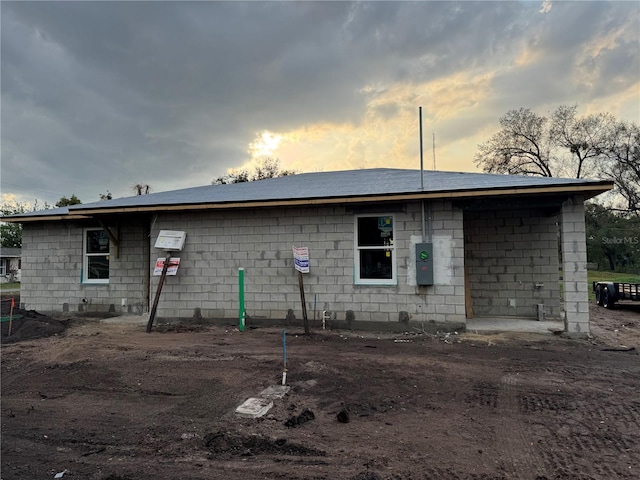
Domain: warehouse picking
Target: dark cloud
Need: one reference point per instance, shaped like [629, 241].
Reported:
[98, 96]
[564, 71]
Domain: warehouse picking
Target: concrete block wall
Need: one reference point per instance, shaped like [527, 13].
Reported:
[509, 253]
[129, 268]
[261, 241]
[574, 260]
[51, 262]
[52, 259]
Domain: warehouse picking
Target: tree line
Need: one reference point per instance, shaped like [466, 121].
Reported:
[11, 233]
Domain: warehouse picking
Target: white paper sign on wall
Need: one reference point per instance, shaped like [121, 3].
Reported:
[171, 240]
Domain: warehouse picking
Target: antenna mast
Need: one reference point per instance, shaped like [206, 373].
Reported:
[421, 157]
[424, 228]
[434, 150]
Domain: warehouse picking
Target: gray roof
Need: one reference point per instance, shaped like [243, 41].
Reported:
[61, 211]
[387, 182]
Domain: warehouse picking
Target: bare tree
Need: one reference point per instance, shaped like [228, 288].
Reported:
[141, 189]
[565, 144]
[622, 164]
[531, 144]
[522, 146]
[584, 139]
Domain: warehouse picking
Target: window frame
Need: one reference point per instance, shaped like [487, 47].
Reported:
[393, 281]
[86, 255]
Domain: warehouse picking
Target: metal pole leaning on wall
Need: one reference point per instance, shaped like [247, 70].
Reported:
[241, 313]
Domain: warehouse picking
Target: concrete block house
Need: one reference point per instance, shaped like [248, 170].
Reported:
[10, 264]
[387, 247]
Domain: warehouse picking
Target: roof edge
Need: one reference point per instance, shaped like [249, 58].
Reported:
[42, 218]
[590, 190]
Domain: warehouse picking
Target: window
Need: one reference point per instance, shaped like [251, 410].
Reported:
[375, 261]
[3, 266]
[96, 256]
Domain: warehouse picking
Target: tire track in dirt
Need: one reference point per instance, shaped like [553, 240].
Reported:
[592, 430]
[522, 459]
[582, 445]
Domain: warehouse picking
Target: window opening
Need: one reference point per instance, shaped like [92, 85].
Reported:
[96, 256]
[375, 250]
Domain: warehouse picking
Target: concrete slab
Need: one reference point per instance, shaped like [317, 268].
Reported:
[254, 408]
[127, 319]
[275, 391]
[498, 325]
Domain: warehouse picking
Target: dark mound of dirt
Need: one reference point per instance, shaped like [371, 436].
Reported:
[26, 324]
[31, 326]
[228, 443]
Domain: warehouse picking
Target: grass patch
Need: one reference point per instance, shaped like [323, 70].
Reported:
[616, 277]
[10, 286]
[595, 276]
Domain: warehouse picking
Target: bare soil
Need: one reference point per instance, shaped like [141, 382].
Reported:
[108, 401]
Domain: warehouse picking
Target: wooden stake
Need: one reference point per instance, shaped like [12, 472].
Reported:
[152, 315]
[13, 303]
[304, 304]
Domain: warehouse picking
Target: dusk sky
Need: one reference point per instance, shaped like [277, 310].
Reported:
[99, 96]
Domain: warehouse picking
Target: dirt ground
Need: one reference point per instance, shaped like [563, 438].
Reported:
[103, 400]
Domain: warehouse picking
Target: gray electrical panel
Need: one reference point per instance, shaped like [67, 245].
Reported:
[424, 263]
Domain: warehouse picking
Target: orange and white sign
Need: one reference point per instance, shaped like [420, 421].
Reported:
[173, 266]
